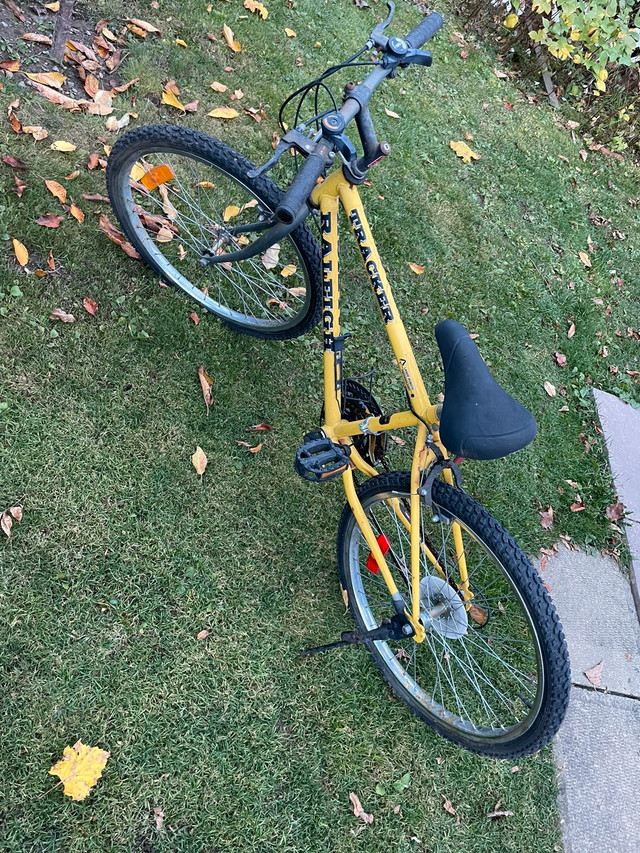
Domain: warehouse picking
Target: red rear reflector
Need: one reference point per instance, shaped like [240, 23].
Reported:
[384, 544]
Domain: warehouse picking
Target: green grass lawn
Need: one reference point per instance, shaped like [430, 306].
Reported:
[124, 555]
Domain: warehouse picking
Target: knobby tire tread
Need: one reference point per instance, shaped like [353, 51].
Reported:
[237, 165]
[552, 641]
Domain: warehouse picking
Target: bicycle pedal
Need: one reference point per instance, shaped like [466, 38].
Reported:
[319, 459]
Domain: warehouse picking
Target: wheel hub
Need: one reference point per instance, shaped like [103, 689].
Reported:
[442, 610]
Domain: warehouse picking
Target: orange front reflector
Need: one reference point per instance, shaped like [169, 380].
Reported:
[157, 176]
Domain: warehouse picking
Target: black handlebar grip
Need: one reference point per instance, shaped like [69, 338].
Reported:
[426, 29]
[301, 188]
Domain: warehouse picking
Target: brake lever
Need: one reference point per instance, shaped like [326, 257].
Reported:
[292, 139]
[377, 39]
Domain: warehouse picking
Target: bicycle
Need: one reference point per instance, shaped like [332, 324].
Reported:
[450, 609]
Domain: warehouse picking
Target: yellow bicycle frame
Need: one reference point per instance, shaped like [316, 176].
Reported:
[422, 414]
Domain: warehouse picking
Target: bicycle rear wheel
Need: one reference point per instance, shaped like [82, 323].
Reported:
[178, 195]
[493, 675]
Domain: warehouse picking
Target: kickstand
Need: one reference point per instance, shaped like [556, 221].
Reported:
[396, 628]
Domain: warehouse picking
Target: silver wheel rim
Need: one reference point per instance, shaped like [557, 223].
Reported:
[246, 293]
[445, 696]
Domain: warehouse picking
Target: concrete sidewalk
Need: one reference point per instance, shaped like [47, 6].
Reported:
[598, 747]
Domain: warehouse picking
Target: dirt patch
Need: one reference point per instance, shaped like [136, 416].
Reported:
[93, 51]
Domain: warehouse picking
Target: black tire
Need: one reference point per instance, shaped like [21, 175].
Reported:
[492, 677]
[273, 297]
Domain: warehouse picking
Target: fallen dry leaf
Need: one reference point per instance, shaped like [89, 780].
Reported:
[61, 315]
[12, 65]
[270, 257]
[417, 269]
[181, 43]
[21, 253]
[37, 37]
[206, 383]
[79, 769]
[6, 523]
[594, 675]
[169, 98]
[546, 518]
[391, 113]
[203, 635]
[14, 162]
[57, 190]
[50, 261]
[256, 449]
[616, 511]
[16, 512]
[448, 807]
[358, 810]
[560, 359]
[37, 131]
[290, 33]
[49, 78]
[549, 388]
[218, 87]
[19, 186]
[144, 25]
[90, 306]
[223, 112]
[158, 814]
[199, 461]
[258, 428]
[233, 45]
[584, 257]
[116, 237]
[61, 145]
[464, 152]
[572, 330]
[194, 318]
[50, 220]
[75, 211]
[256, 8]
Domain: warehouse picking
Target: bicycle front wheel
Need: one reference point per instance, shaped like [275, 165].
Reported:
[180, 196]
[492, 674]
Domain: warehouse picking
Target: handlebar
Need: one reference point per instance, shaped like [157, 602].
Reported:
[357, 101]
[426, 29]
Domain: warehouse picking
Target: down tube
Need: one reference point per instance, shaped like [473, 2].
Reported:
[386, 303]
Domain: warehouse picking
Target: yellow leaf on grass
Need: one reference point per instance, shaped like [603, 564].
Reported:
[22, 256]
[75, 211]
[418, 270]
[53, 7]
[223, 112]
[257, 8]
[181, 43]
[218, 87]
[61, 145]
[230, 212]
[80, 768]
[584, 257]
[57, 190]
[199, 461]
[36, 131]
[511, 21]
[170, 98]
[391, 113]
[49, 78]
[144, 25]
[228, 37]
[464, 152]
[290, 33]
[285, 272]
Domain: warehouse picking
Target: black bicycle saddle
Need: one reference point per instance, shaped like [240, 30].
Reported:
[479, 419]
